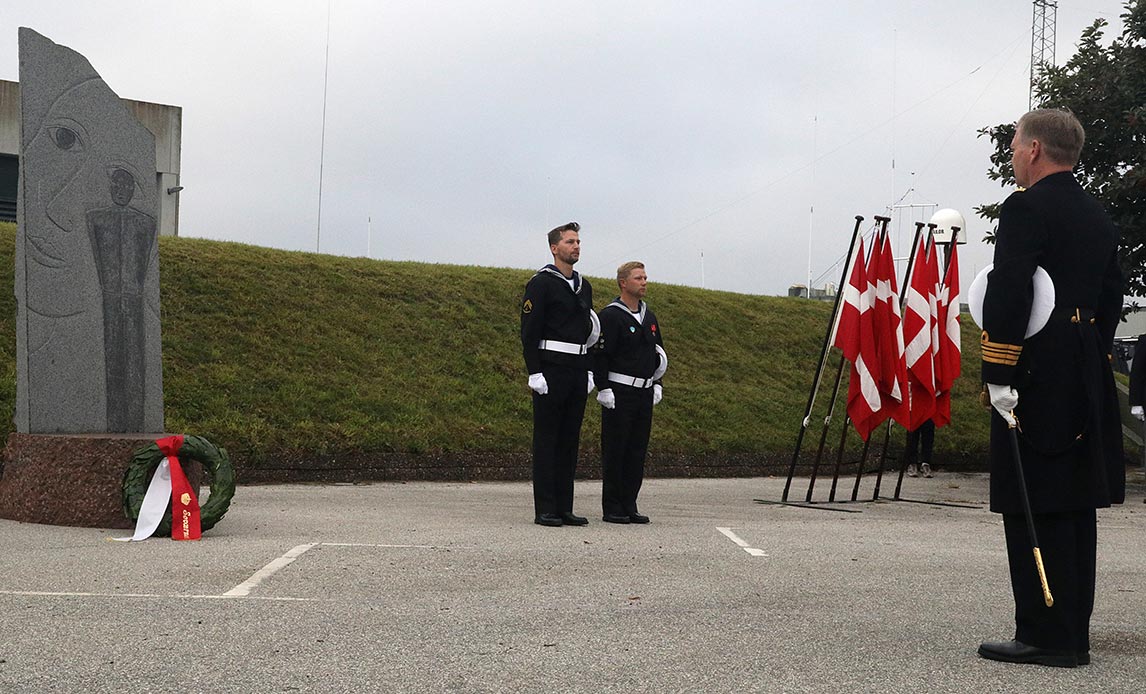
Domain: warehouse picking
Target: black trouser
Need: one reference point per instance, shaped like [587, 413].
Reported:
[624, 444]
[557, 419]
[1067, 542]
[924, 434]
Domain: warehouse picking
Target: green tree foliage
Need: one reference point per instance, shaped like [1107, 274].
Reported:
[1105, 86]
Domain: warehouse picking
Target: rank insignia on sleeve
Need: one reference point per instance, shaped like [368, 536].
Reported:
[527, 307]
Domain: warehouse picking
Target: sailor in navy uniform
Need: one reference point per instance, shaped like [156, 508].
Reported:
[1059, 385]
[558, 326]
[629, 361]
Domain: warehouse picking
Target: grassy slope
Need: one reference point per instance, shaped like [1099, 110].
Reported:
[278, 354]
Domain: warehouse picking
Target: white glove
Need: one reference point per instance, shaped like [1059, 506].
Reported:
[658, 393]
[1137, 412]
[1004, 399]
[591, 384]
[607, 399]
[537, 384]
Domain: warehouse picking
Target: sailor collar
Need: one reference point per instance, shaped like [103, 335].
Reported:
[638, 317]
[552, 269]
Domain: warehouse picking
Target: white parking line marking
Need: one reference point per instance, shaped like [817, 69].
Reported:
[365, 544]
[727, 532]
[243, 589]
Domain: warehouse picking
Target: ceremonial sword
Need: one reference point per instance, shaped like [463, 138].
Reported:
[1012, 429]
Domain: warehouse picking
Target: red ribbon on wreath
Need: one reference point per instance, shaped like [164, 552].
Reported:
[184, 502]
[168, 480]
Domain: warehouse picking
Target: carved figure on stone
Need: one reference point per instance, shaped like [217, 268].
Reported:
[122, 240]
[87, 267]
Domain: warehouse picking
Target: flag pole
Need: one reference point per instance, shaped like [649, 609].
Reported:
[822, 361]
[954, 240]
[879, 477]
[859, 470]
[824, 431]
[839, 459]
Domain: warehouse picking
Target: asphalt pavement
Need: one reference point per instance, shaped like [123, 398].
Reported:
[450, 587]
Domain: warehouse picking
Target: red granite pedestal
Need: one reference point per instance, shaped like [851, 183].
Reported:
[71, 479]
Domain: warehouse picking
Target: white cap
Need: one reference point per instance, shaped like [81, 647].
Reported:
[1041, 305]
[594, 330]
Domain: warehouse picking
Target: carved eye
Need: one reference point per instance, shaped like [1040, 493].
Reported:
[66, 138]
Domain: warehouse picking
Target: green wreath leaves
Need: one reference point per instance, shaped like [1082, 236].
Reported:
[215, 463]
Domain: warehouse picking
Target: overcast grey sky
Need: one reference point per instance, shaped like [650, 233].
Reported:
[749, 132]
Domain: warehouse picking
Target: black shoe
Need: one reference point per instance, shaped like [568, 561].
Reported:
[1018, 652]
[551, 519]
[615, 518]
[635, 517]
[570, 519]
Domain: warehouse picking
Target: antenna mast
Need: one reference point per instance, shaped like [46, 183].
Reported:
[1042, 41]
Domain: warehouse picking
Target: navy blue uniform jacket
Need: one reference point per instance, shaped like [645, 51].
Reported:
[1071, 437]
[626, 346]
[552, 310]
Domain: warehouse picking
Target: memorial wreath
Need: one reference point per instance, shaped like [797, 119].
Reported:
[215, 463]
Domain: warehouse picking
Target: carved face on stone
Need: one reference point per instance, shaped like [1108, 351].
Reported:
[91, 159]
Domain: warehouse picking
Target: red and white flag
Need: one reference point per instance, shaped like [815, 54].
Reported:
[917, 335]
[950, 347]
[889, 334]
[933, 302]
[855, 336]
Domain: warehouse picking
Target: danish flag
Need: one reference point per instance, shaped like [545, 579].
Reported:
[918, 332]
[950, 348]
[855, 336]
[889, 333]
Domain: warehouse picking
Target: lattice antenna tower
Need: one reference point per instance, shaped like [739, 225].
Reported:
[1042, 40]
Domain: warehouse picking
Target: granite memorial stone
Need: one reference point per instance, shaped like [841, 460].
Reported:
[87, 257]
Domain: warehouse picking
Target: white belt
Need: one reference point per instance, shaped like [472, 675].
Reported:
[630, 380]
[564, 347]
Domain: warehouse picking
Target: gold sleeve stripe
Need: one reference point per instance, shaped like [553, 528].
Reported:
[1005, 361]
[1001, 347]
[1000, 353]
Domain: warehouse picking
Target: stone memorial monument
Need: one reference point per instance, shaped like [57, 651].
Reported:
[89, 377]
[87, 260]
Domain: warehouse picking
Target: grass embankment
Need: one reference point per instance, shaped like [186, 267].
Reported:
[309, 366]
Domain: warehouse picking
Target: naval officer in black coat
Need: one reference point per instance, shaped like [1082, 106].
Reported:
[558, 326]
[1059, 385]
[629, 361]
